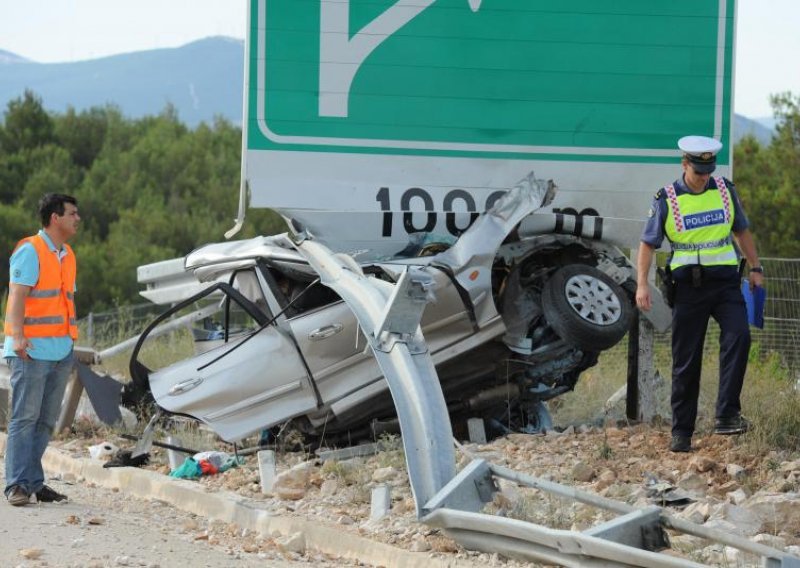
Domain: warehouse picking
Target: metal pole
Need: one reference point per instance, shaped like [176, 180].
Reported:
[632, 396]
[90, 328]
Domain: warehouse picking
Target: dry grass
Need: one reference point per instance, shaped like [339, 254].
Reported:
[348, 472]
[391, 452]
[156, 353]
[770, 398]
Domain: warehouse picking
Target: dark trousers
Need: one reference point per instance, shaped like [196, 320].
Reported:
[722, 300]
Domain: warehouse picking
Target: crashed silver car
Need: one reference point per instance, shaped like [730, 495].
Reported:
[512, 320]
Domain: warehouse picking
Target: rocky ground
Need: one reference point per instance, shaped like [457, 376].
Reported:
[718, 485]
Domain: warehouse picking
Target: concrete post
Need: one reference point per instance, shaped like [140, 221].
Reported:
[175, 457]
[643, 383]
[477, 430]
[381, 502]
[267, 470]
[649, 386]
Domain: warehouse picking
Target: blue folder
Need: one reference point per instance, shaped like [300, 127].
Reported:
[754, 299]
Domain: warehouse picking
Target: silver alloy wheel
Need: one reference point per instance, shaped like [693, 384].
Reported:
[593, 299]
[586, 308]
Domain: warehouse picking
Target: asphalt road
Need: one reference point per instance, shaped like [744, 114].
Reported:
[100, 528]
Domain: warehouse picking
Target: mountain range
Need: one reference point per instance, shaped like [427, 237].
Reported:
[202, 79]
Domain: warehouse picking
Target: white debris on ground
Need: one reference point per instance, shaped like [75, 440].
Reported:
[719, 485]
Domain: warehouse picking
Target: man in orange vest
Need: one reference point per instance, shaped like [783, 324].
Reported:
[40, 330]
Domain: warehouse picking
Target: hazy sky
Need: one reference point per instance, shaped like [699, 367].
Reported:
[767, 61]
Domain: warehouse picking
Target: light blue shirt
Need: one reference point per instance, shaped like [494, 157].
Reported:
[24, 270]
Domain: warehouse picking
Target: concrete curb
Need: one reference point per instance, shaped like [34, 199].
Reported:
[231, 508]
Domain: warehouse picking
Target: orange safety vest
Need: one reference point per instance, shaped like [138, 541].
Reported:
[50, 305]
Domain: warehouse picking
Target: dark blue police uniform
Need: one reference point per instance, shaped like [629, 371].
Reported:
[716, 295]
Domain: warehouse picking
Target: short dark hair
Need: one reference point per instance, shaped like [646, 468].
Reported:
[53, 203]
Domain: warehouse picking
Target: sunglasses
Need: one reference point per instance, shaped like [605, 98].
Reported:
[700, 173]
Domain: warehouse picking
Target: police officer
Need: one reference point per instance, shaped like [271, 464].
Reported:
[702, 218]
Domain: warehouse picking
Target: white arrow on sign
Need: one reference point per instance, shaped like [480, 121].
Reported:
[340, 56]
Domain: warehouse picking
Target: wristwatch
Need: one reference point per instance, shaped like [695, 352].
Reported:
[759, 269]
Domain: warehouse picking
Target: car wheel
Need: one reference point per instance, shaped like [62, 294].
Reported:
[586, 308]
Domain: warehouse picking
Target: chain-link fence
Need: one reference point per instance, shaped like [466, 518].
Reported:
[104, 329]
[779, 338]
[781, 333]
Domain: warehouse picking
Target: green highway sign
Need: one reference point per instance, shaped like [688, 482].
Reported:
[620, 80]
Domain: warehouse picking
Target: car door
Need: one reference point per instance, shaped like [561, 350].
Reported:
[252, 379]
[326, 333]
[329, 338]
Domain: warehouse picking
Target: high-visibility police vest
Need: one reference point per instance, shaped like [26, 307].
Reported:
[50, 305]
[699, 227]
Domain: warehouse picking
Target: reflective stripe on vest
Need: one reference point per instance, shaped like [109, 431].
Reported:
[701, 246]
[52, 293]
[50, 304]
[716, 259]
[699, 227]
[43, 321]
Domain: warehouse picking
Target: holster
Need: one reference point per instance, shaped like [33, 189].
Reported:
[666, 284]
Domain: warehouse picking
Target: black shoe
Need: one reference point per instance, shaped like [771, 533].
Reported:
[680, 444]
[49, 495]
[728, 425]
[17, 496]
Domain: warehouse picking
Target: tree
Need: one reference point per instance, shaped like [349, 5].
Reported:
[27, 125]
[17, 224]
[83, 134]
[14, 171]
[768, 181]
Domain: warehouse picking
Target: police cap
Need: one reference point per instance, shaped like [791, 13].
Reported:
[701, 151]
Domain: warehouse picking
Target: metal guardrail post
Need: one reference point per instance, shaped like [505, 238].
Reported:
[69, 405]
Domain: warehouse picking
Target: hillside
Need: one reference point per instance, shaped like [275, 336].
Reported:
[8, 57]
[202, 79]
[743, 126]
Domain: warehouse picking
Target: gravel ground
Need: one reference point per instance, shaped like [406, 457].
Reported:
[99, 528]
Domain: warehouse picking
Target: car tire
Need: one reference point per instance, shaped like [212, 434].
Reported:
[586, 308]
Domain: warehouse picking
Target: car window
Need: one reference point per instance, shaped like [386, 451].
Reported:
[246, 282]
[308, 296]
[297, 293]
[217, 316]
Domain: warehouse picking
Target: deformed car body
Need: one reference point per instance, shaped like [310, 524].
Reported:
[514, 320]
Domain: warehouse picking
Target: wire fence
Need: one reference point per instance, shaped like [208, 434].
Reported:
[781, 333]
[779, 338]
[103, 329]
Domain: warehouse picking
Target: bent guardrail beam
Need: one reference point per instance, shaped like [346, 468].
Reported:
[631, 539]
[389, 315]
